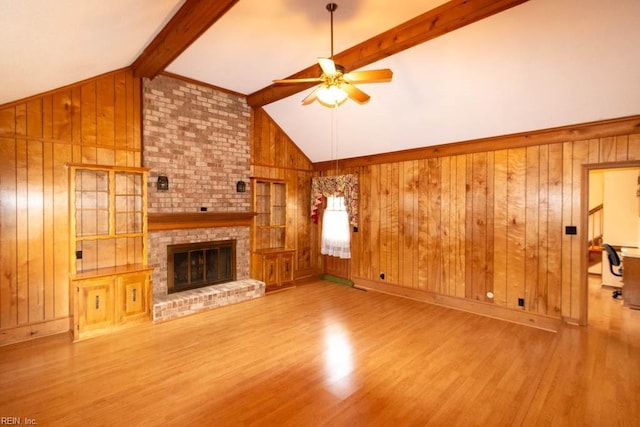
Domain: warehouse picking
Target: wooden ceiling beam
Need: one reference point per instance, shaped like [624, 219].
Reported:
[190, 22]
[443, 19]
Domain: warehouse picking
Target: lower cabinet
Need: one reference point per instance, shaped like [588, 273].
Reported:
[103, 303]
[274, 267]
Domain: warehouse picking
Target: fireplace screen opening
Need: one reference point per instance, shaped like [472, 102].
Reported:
[196, 265]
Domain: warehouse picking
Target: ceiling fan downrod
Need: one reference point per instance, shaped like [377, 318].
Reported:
[331, 7]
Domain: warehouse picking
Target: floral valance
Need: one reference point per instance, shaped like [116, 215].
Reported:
[342, 185]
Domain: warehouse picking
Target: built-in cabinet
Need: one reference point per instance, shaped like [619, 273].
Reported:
[631, 277]
[277, 266]
[110, 280]
[271, 259]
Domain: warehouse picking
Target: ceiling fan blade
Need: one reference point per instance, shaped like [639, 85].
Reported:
[328, 66]
[355, 93]
[312, 96]
[305, 80]
[371, 76]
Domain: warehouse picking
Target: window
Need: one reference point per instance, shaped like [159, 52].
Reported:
[336, 237]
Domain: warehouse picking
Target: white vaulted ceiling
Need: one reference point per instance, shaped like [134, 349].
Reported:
[541, 64]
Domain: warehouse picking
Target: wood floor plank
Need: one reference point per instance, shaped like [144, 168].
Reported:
[326, 354]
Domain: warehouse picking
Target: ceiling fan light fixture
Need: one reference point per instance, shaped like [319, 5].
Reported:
[336, 85]
[331, 96]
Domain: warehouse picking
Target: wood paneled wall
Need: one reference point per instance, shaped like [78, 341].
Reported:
[451, 228]
[96, 121]
[275, 156]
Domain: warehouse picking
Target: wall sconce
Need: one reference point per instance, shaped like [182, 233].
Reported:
[241, 187]
[163, 183]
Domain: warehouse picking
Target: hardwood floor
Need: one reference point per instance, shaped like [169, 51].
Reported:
[326, 354]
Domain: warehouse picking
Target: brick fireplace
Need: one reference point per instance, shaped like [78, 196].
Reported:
[160, 240]
[198, 137]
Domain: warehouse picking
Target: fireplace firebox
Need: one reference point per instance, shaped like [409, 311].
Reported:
[196, 265]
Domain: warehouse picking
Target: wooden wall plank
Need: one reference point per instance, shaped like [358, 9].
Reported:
[21, 120]
[47, 117]
[516, 226]
[469, 228]
[301, 216]
[408, 226]
[567, 208]
[608, 149]
[34, 118]
[76, 123]
[8, 235]
[120, 113]
[447, 244]
[501, 218]
[136, 119]
[555, 236]
[105, 115]
[22, 229]
[48, 235]
[394, 237]
[622, 147]
[385, 220]
[364, 232]
[489, 275]
[541, 285]
[35, 231]
[375, 218]
[594, 150]
[479, 227]
[62, 127]
[423, 225]
[434, 242]
[8, 121]
[634, 147]
[89, 109]
[461, 221]
[532, 227]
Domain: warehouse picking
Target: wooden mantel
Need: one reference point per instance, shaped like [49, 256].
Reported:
[182, 220]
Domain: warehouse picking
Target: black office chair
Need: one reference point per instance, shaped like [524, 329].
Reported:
[614, 261]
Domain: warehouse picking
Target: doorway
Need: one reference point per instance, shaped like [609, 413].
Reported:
[613, 217]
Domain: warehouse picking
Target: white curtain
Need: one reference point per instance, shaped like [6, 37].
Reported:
[336, 236]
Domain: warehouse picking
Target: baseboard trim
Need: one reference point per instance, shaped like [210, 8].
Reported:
[36, 330]
[476, 307]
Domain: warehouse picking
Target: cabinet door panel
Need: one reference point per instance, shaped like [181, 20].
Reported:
[95, 304]
[286, 268]
[270, 271]
[133, 296]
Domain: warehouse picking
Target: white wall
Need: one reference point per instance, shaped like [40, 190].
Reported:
[596, 188]
[621, 223]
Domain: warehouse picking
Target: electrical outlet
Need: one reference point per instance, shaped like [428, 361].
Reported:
[520, 302]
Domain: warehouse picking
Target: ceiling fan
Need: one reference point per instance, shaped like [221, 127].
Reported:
[336, 85]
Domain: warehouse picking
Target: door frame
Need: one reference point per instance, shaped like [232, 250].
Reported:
[584, 225]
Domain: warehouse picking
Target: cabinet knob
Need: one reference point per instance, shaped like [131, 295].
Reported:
[97, 302]
[134, 295]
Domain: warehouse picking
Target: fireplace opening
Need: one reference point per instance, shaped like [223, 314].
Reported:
[196, 265]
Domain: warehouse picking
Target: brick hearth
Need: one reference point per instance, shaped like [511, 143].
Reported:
[171, 306]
